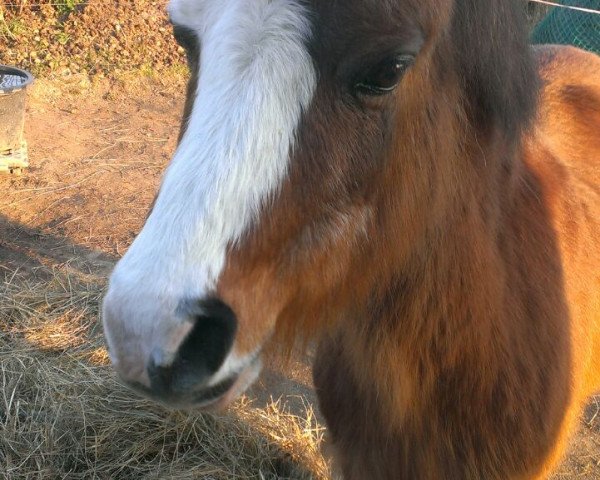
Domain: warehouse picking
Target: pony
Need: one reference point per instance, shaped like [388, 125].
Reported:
[408, 184]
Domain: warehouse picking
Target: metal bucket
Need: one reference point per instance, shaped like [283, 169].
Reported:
[13, 86]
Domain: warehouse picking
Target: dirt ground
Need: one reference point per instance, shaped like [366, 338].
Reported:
[97, 153]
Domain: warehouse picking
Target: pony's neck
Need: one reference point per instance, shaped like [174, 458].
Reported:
[442, 305]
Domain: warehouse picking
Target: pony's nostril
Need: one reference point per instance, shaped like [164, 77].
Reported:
[211, 338]
[202, 352]
[161, 378]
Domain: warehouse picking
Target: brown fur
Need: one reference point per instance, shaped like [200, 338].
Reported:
[443, 243]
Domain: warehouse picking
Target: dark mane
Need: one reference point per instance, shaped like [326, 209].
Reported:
[494, 59]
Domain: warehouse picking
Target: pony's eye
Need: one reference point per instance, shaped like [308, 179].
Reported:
[385, 76]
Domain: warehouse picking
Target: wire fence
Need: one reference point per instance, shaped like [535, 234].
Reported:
[575, 22]
[568, 7]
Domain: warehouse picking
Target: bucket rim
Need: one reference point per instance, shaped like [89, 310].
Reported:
[10, 70]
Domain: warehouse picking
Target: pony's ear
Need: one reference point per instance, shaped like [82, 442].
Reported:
[493, 55]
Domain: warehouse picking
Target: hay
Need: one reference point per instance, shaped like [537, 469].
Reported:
[64, 415]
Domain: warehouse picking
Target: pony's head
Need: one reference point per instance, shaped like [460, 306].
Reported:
[320, 140]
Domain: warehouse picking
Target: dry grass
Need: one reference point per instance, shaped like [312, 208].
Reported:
[64, 415]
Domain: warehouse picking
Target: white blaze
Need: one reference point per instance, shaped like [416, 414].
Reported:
[256, 77]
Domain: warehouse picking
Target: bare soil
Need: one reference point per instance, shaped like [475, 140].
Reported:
[97, 151]
[96, 37]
